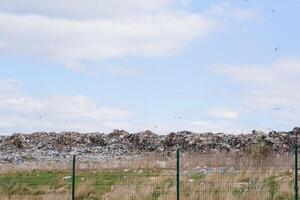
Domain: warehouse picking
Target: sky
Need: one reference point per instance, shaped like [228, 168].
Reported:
[162, 65]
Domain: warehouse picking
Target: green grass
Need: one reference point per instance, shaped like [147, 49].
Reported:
[197, 176]
[33, 179]
[40, 182]
[162, 188]
[35, 182]
[99, 183]
[273, 187]
[238, 192]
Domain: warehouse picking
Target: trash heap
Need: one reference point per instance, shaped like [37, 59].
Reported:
[61, 146]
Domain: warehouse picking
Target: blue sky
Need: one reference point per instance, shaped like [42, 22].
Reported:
[163, 65]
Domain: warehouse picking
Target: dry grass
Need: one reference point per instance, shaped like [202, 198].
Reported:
[209, 177]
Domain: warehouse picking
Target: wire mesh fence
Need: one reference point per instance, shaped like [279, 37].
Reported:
[36, 180]
[133, 178]
[207, 177]
[226, 177]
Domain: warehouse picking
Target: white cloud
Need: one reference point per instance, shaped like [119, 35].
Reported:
[80, 9]
[224, 126]
[71, 40]
[75, 31]
[185, 3]
[120, 70]
[226, 10]
[23, 113]
[222, 114]
[8, 87]
[55, 113]
[199, 126]
[76, 66]
[271, 88]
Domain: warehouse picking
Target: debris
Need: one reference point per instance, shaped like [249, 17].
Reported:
[19, 147]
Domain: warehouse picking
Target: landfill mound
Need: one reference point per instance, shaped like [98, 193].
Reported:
[19, 147]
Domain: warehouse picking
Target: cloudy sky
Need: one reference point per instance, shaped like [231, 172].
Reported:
[163, 65]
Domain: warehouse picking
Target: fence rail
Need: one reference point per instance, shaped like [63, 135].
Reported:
[184, 176]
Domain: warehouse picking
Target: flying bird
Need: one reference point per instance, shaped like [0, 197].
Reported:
[177, 117]
[277, 48]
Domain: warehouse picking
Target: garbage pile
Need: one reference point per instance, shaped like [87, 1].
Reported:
[61, 146]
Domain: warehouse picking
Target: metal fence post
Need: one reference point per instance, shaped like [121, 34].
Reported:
[177, 174]
[296, 173]
[73, 177]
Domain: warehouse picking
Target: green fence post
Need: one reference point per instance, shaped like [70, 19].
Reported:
[177, 174]
[296, 172]
[73, 177]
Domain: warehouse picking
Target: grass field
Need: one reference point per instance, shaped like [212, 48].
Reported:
[141, 181]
